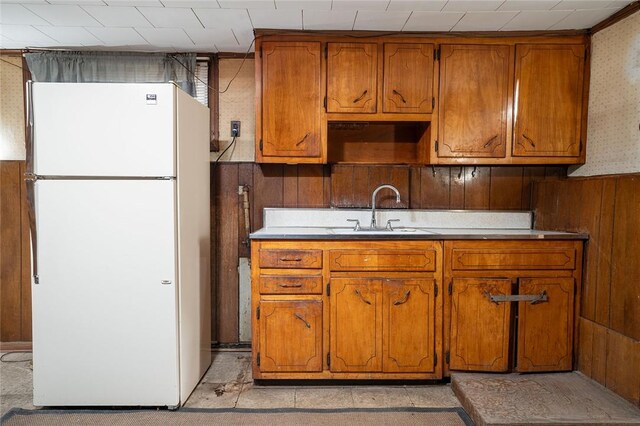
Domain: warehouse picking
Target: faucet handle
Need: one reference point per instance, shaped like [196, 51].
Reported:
[357, 225]
[389, 227]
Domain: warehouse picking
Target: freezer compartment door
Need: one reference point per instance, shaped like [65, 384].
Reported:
[103, 129]
[105, 309]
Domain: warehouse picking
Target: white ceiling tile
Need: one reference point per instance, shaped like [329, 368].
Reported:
[360, 4]
[582, 4]
[70, 36]
[231, 48]
[16, 14]
[381, 21]
[210, 37]
[306, 5]
[25, 34]
[114, 16]
[191, 3]
[24, 1]
[165, 37]
[244, 35]
[328, 19]
[64, 15]
[223, 18]
[472, 5]
[432, 21]
[536, 20]
[286, 19]
[170, 17]
[580, 19]
[118, 36]
[78, 2]
[247, 4]
[484, 21]
[417, 5]
[528, 4]
[148, 3]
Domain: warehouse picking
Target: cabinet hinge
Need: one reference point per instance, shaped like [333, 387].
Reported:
[436, 54]
[435, 291]
[260, 145]
[447, 357]
[258, 359]
[258, 312]
[581, 146]
[329, 288]
[325, 103]
[328, 359]
[435, 359]
[326, 51]
[436, 146]
[450, 287]
[261, 51]
[433, 103]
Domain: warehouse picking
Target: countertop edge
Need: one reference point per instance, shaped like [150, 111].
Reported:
[567, 236]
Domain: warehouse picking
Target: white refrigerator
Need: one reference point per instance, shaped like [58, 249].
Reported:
[118, 181]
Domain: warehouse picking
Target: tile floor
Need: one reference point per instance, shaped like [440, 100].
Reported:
[228, 384]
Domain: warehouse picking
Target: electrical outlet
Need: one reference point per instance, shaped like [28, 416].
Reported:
[235, 129]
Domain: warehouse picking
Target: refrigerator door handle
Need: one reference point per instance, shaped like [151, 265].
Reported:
[30, 181]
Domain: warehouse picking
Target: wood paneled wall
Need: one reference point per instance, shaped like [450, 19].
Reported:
[15, 279]
[276, 185]
[608, 208]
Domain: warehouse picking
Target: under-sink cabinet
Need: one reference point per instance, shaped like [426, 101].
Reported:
[412, 309]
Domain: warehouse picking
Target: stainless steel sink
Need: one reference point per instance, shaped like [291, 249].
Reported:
[368, 231]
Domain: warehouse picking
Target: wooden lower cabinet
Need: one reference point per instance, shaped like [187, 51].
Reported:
[290, 335]
[545, 329]
[479, 328]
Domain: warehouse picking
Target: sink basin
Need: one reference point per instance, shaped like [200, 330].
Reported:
[396, 231]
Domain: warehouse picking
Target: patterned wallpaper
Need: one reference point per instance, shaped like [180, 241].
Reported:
[613, 132]
[11, 109]
[238, 103]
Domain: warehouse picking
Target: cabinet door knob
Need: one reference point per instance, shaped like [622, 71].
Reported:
[301, 318]
[362, 297]
[359, 98]
[404, 298]
[395, 92]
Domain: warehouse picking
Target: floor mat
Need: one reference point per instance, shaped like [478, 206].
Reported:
[194, 416]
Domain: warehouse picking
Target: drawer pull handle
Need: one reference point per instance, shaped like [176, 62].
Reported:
[356, 100]
[294, 285]
[533, 298]
[404, 298]
[529, 140]
[289, 259]
[362, 297]
[301, 318]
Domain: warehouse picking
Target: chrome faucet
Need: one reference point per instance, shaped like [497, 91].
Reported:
[373, 201]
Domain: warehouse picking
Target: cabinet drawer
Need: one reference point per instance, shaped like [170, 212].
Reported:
[382, 260]
[467, 259]
[305, 259]
[290, 284]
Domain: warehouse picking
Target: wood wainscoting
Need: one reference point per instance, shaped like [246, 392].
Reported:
[15, 261]
[608, 208]
[321, 186]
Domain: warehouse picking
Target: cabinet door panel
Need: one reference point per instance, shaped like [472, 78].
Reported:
[474, 85]
[479, 328]
[351, 77]
[408, 78]
[291, 100]
[548, 104]
[545, 329]
[408, 321]
[356, 324]
[290, 335]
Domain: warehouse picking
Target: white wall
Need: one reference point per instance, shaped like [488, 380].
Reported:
[11, 109]
[613, 129]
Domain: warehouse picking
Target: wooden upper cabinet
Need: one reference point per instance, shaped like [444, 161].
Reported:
[548, 100]
[352, 77]
[356, 325]
[479, 328]
[291, 99]
[408, 78]
[473, 102]
[408, 325]
[290, 335]
[545, 328]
